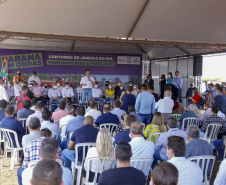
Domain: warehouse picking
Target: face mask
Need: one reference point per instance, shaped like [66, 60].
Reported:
[134, 87]
[95, 86]
[106, 85]
[121, 88]
[109, 87]
[169, 76]
[58, 85]
[55, 86]
[19, 74]
[9, 85]
[67, 86]
[147, 76]
[22, 84]
[191, 85]
[30, 86]
[119, 84]
[131, 85]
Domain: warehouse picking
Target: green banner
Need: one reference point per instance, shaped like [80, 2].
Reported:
[24, 60]
[81, 63]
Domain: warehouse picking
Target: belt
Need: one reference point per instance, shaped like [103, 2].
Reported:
[87, 88]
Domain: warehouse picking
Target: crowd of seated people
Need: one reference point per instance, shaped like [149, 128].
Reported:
[137, 116]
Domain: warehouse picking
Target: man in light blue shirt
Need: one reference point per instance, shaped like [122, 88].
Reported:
[47, 124]
[145, 104]
[131, 110]
[73, 125]
[189, 171]
[34, 127]
[177, 82]
[160, 145]
[141, 148]
[117, 111]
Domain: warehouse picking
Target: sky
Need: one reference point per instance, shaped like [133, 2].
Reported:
[214, 67]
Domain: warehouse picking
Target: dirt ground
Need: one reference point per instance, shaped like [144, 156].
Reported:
[8, 177]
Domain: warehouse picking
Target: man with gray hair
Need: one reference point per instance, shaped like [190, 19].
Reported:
[3, 92]
[196, 146]
[189, 114]
[166, 104]
[48, 150]
[64, 121]
[160, 145]
[141, 148]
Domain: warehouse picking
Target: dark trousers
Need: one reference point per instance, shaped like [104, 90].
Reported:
[177, 94]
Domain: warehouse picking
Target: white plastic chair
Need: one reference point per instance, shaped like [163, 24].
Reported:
[190, 121]
[100, 166]
[1, 137]
[143, 124]
[9, 145]
[63, 129]
[143, 164]
[57, 121]
[155, 136]
[204, 163]
[77, 165]
[23, 122]
[215, 129]
[55, 135]
[111, 126]
[177, 116]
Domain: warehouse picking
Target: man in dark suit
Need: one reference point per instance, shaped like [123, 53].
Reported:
[149, 80]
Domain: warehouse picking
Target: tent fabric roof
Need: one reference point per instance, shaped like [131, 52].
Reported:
[161, 28]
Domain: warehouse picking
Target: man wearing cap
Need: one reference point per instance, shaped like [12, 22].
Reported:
[34, 77]
[87, 83]
[54, 95]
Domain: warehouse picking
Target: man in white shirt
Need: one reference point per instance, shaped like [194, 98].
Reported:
[117, 111]
[68, 93]
[34, 128]
[17, 88]
[3, 92]
[10, 91]
[93, 111]
[64, 121]
[97, 95]
[189, 172]
[54, 96]
[48, 151]
[166, 104]
[87, 83]
[59, 87]
[141, 148]
[37, 114]
[47, 124]
[35, 78]
[221, 177]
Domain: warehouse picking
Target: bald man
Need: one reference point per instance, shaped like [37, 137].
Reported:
[166, 104]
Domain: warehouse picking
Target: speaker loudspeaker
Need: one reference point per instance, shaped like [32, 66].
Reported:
[197, 65]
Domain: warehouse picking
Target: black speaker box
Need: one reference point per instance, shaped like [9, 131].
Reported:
[197, 65]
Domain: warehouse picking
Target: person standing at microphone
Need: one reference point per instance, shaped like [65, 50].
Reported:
[87, 83]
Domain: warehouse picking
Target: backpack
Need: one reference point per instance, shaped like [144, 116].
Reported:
[21, 99]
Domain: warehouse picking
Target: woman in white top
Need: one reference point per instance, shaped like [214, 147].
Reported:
[102, 150]
[135, 90]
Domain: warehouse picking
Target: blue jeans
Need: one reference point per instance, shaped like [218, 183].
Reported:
[54, 101]
[198, 106]
[110, 99]
[146, 118]
[156, 157]
[63, 145]
[102, 101]
[68, 156]
[19, 174]
[219, 146]
[88, 93]
[43, 100]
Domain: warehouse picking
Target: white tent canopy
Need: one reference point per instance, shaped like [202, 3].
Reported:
[161, 28]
